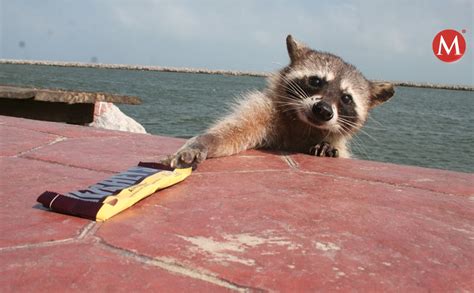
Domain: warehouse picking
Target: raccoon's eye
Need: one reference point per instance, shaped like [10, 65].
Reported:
[315, 81]
[346, 99]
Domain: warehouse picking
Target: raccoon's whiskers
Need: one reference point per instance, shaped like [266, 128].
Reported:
[294, 86]
[288, 101]
[293, 92]
[288, 106]
[350, 124]
[365, 126]
[308, 130]
[375, 121]
[358, 145]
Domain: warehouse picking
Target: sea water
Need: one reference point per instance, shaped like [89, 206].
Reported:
[418, 126]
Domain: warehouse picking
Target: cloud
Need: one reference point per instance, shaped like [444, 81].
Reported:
[386, 39]
[163, 18]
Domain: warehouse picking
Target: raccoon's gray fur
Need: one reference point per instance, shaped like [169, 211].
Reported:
[314, 105]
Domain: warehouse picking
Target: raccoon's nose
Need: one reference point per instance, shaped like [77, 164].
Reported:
[323, 111]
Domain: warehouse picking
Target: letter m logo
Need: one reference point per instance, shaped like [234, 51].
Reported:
[443, 45]
[449, 45]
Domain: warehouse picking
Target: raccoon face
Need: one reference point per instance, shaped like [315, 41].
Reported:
[325, 92]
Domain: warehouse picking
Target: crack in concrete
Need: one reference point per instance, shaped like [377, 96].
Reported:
[68, 165]
[88, 230]
[331, 175]
[85, 233]
[175, 267]
[58, 138]
[38, 245]
[404, 185]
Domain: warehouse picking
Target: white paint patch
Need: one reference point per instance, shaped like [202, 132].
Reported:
[462, 230]
[387, 264]
[220, 251]
[435, 261]
[327, 246]
[234, 246]
[424, 180]
[269, 253]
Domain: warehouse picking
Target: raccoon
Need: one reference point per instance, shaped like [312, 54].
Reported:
[314, 106]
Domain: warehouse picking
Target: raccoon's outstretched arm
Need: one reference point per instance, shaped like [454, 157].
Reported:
[247, 127]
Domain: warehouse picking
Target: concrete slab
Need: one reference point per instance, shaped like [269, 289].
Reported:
[22, 220]
[88, 267]
[290, 231]
[250, 222]
[113, 154]
[13, 141]
[430, 179]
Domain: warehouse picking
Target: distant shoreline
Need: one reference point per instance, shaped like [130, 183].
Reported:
[204, 71]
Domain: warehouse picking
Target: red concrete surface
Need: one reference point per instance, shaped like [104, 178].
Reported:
[93, 269]
[257, 221]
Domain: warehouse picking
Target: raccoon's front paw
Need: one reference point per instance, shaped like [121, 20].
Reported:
[324, 149]
[185, 158]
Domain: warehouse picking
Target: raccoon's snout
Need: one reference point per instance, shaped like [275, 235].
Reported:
[323, 111]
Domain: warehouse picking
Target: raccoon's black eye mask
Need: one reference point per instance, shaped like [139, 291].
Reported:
[316, 82]
[313, 85]
[347, 99]
[305, 87]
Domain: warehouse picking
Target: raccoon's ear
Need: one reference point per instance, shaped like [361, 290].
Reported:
[296, 50]
[380, 92]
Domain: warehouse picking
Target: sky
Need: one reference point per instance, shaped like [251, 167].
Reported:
[386, 40]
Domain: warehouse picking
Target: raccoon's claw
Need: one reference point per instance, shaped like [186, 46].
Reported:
[185, 158]
[324, 149]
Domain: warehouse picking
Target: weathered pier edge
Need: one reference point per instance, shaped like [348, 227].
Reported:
[75, 107]
[205, 71]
